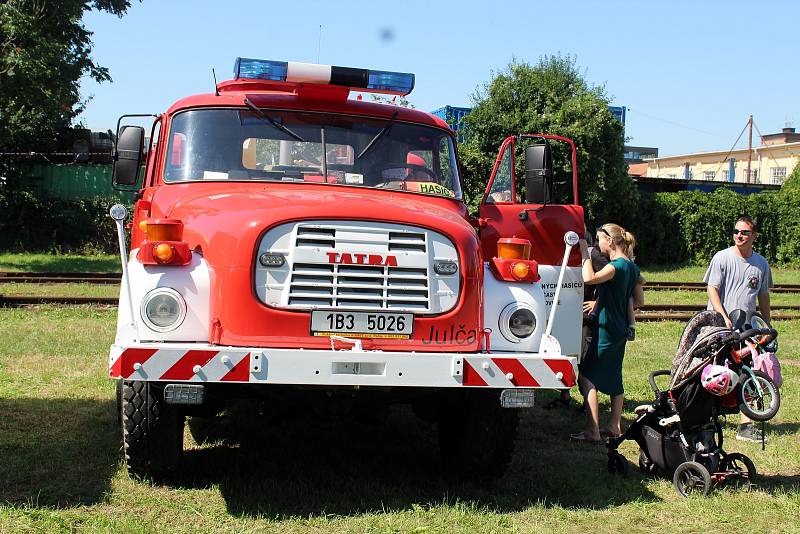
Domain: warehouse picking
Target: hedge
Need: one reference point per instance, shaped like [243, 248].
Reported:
[30, 222]
[691, 226]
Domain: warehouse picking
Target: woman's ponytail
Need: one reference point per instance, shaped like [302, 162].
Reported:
[629, 243]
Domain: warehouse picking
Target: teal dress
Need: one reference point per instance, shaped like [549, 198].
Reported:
[602, 364]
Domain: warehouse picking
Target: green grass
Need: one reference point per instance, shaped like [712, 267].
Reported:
[48, 263]
[60, 468]
[693, 273]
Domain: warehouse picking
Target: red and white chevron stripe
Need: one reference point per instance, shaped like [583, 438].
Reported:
[179, 365]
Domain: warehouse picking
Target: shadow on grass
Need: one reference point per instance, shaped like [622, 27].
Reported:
[57, 452]
[307, 468]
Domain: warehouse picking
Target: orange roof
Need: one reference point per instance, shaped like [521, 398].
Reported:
[637, 169]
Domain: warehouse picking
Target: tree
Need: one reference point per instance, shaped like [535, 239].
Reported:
[44, 51]
[551, 97]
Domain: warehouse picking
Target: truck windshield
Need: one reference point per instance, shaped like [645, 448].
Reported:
[288, 146]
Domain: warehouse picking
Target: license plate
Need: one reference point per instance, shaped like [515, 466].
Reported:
[362, 324]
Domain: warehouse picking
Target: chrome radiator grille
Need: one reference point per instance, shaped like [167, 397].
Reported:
[356, 265]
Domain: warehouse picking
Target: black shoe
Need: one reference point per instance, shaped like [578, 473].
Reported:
[750, 432]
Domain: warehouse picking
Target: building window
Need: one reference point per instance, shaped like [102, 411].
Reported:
[672, 176]
[753, 178]
[708, 175]
[725, 176]
[777, 174]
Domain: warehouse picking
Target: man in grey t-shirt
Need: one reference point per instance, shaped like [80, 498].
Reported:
[737, 278]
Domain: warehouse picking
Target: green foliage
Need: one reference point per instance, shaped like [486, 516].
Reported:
[32, 222]
[44, 52]
[551, 97]
[691, 226]
[792, 183]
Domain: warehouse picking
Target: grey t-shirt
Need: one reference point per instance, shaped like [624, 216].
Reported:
[738, 280]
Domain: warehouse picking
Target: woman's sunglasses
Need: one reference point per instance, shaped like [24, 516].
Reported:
[743, 232]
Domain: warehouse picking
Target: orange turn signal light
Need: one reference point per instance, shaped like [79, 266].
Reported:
[143, 226]
[513, 248]
[520, 270]
[163, 253]
[163, 229]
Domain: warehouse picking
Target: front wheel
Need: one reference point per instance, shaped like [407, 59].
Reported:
[152, 430]
[759, 398]
[691, 478]
[476, 435]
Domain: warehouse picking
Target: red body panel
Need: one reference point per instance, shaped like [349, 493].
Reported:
[225, 221]
[544, 228]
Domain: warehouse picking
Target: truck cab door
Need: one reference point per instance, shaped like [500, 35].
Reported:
[526, 207]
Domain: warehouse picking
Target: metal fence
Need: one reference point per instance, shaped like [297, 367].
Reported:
[76, 181]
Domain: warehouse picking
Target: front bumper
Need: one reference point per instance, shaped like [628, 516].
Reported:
[203, 363]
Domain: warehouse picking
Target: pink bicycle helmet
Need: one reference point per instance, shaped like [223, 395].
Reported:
[718, 379]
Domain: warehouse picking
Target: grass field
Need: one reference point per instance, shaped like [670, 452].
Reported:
[60, 468]
[49, 263]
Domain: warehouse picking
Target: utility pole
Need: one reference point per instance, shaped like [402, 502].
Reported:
[749, 147]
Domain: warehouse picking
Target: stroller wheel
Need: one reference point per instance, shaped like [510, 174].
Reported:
[691, 478]
[759, 399]
[739, 470]
[645, 464]
[617, 463]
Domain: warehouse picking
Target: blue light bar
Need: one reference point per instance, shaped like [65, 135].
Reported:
[260, 69]
[399, 83]
[395, 82]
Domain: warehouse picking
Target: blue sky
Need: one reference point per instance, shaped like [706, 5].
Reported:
[689, 72]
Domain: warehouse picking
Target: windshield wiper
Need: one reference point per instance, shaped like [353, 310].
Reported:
[380, 134]
[272, 121]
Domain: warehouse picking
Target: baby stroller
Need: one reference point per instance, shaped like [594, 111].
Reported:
[680, 434]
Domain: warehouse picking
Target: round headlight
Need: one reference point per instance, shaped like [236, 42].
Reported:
[163, 309]
[517, 322]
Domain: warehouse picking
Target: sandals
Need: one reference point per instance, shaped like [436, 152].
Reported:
[584, 437]
[607, 433]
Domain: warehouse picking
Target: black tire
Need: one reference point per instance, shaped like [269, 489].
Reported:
[118, 387]
[617, 463]
[692, 478]
[645, 464]
[152, 430]
[740, 471]
[758, 407]
[476, 435]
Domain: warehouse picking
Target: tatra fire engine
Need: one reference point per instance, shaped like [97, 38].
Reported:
[291, 243]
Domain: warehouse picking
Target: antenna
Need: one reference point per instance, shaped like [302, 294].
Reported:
[319, 42]
[214, 74]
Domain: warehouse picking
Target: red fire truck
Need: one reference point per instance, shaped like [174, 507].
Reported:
[290, 243]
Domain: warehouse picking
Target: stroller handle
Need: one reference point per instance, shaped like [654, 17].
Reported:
[652, 379]
[755, 332]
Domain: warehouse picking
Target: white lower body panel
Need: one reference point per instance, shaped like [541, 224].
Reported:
[203, 363]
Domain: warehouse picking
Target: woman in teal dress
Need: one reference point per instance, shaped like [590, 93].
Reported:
[601, 368]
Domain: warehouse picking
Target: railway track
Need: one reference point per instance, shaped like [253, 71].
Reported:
[7, 277]
[650, 312]
[700, 286]
[114, 278]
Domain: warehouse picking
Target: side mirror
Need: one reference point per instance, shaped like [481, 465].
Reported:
[128, 155]
[538, 174]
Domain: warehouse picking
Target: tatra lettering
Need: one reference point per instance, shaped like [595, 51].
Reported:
[347, 258]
